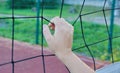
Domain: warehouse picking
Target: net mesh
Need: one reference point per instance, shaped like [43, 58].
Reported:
[79, 18]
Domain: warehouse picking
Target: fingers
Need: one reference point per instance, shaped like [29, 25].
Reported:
[60, 25]
[57, 21]
[47, 34]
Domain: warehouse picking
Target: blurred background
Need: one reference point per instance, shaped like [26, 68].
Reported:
[94, 15]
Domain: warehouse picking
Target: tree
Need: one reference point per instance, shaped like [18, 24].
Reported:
[50, 4]
[22, 4]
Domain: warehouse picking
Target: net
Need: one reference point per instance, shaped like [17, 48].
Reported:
[79, 18]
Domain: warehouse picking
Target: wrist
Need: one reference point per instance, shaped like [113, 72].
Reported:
[63, 55]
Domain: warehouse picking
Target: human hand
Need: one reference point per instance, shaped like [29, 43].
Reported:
[61, 41]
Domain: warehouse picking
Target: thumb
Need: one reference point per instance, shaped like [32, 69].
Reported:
[47, 34]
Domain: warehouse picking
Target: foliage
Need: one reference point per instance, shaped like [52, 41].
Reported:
[53, 12]
[22, 4]
[50, 4]
[3, 4]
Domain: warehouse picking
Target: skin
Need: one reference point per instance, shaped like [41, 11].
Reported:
[60, 43]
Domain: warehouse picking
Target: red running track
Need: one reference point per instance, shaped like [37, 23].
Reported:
[34, 65]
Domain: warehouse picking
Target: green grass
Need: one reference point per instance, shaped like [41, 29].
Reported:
[25, 30]
[94, 33]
